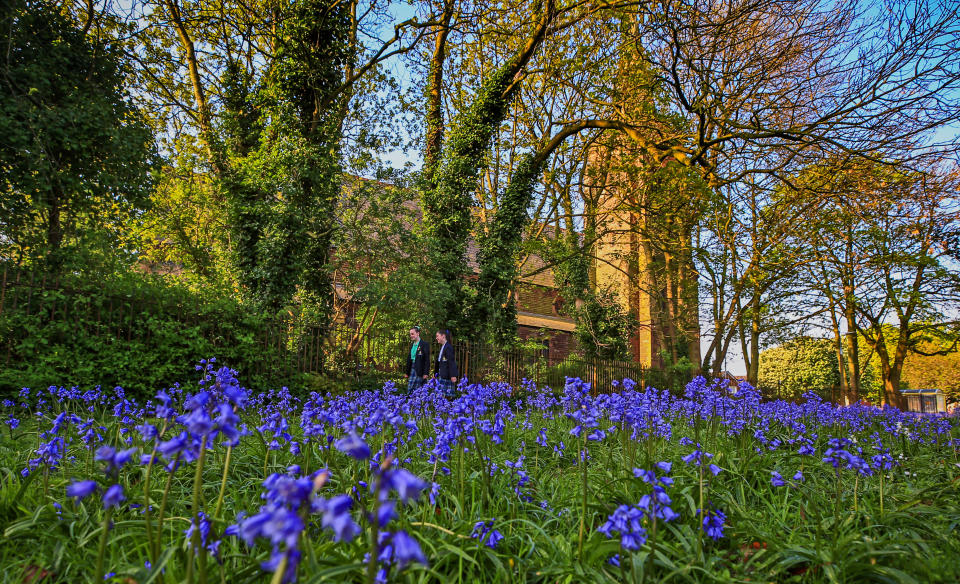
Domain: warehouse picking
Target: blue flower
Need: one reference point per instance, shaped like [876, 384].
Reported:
[113, 497]
[81, 489]
[697, 457]
[204, 529]
[115, 459]
[483, 531]
[275, 523]
[407, 485]
[627, 521]
[354, 446]
[406, 550]
[776, 480]
[337, 518]
[494, 538]
[174, 446]
[713, 523]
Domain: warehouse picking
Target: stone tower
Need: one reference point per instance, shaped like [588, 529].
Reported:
[644, 222]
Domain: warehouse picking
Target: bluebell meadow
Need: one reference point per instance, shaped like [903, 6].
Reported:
[217, 480]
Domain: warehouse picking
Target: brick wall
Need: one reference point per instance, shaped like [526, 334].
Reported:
[538, 300]
[558, 345]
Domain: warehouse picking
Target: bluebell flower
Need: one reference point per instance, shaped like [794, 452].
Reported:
[226, 424]
[627, 522]
[147, 431]
[386, 512]
[354, 446]
[713, 523]
[81, 489]
[697, 457]
[174, 446]
[406, 550]
[337, 518]
[204, 530]
[115, 459]
[407, 485]
[197, 422]
[275, 523]
[113, 497]
[484, 531]
[776, 480]
[276, 556]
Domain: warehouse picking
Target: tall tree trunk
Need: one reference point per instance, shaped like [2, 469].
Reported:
[850, 315]
[434, 130]
[846, 394]
[890, 368]
[447, 208]
[753, 367]
[852, 345]
[199, 93]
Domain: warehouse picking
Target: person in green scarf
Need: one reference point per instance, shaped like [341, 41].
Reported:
[418, 361]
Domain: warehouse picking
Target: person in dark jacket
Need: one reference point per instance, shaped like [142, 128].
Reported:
[418, 361]
[445, 367]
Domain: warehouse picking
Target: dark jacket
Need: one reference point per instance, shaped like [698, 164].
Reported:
[422, 362]
[446, 367]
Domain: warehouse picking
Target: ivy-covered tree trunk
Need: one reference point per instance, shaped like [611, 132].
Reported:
[447, 205]
[245, 203]
[284, 176]
[313, 53]
[494, 311]
[447, 208]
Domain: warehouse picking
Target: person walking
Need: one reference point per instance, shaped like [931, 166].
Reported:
[445, 367]
[418, 362]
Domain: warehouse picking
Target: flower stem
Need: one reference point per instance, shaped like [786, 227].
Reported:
[146, 508]
[195, 510]
[146, 496]
[374, 535]
[583, 503]
[223, 482]
[103, 543]
[278, 573]
[163, 508]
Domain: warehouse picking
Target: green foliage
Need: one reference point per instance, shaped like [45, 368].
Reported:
[446, 209]
[127, 329]
[603, 326]
[75, 156]
[494, 311]
[378, 260]
[801, 365]
[281, 175]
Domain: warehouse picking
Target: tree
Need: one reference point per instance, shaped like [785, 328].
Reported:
[377, 268]
[933, 366]
[882, 259]
[448, 193]
[911, 279]
[75, 156]
[801, 365]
